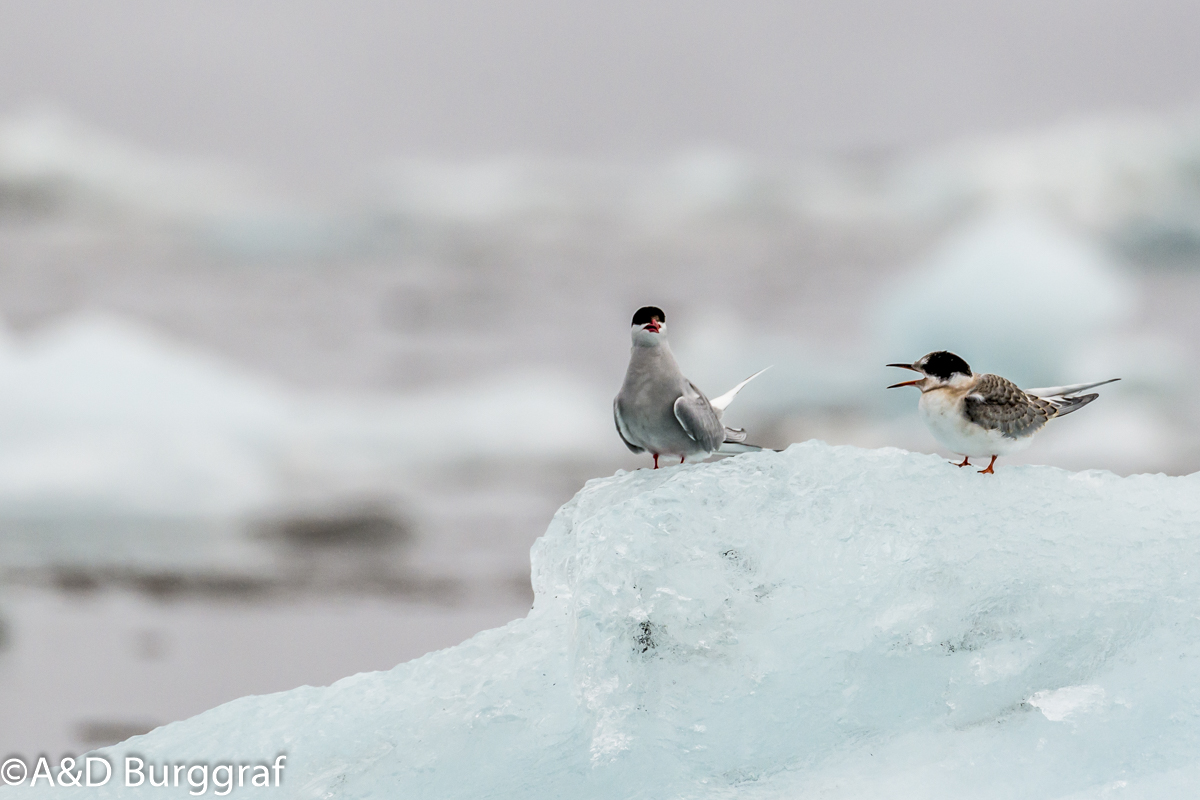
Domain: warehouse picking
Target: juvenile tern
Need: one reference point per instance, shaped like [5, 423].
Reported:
[659, 411]
[986, 415]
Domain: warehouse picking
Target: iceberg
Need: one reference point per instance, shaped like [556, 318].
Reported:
[52, 161]
[1013, 293]
[1101, 173]
[123, 448]
[825, 621]
[55, 166]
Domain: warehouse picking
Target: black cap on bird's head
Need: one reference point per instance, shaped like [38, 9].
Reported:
[940, 365]
[647, 313]
[943, 364]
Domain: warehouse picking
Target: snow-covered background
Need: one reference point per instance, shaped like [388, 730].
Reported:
[287, 393]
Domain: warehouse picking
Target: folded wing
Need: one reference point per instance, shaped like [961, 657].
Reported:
[621, 431]
[699, 419]
[998, 404]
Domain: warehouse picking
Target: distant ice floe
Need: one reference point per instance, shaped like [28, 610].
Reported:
[49, 158]
[100, 416]
[496, 190]
[1117, 174]
[1130, 180]
[695, 184]
[55, 166]
[1013, 294]
[826, 621]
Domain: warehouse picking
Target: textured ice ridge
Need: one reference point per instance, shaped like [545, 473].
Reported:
[827, 621]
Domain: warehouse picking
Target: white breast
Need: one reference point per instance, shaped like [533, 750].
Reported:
[943, 414]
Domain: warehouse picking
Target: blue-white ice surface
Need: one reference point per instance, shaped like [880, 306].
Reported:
[824, 622]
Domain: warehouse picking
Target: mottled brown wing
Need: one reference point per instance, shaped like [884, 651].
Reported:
[997, 404]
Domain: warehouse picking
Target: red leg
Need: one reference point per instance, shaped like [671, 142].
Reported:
[989, 470]
[656, 460]
[682, 459]
[966, 462]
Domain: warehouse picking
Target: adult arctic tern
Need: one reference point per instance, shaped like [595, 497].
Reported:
[659, 411]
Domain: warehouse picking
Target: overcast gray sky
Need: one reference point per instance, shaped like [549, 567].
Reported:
[322, 87]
